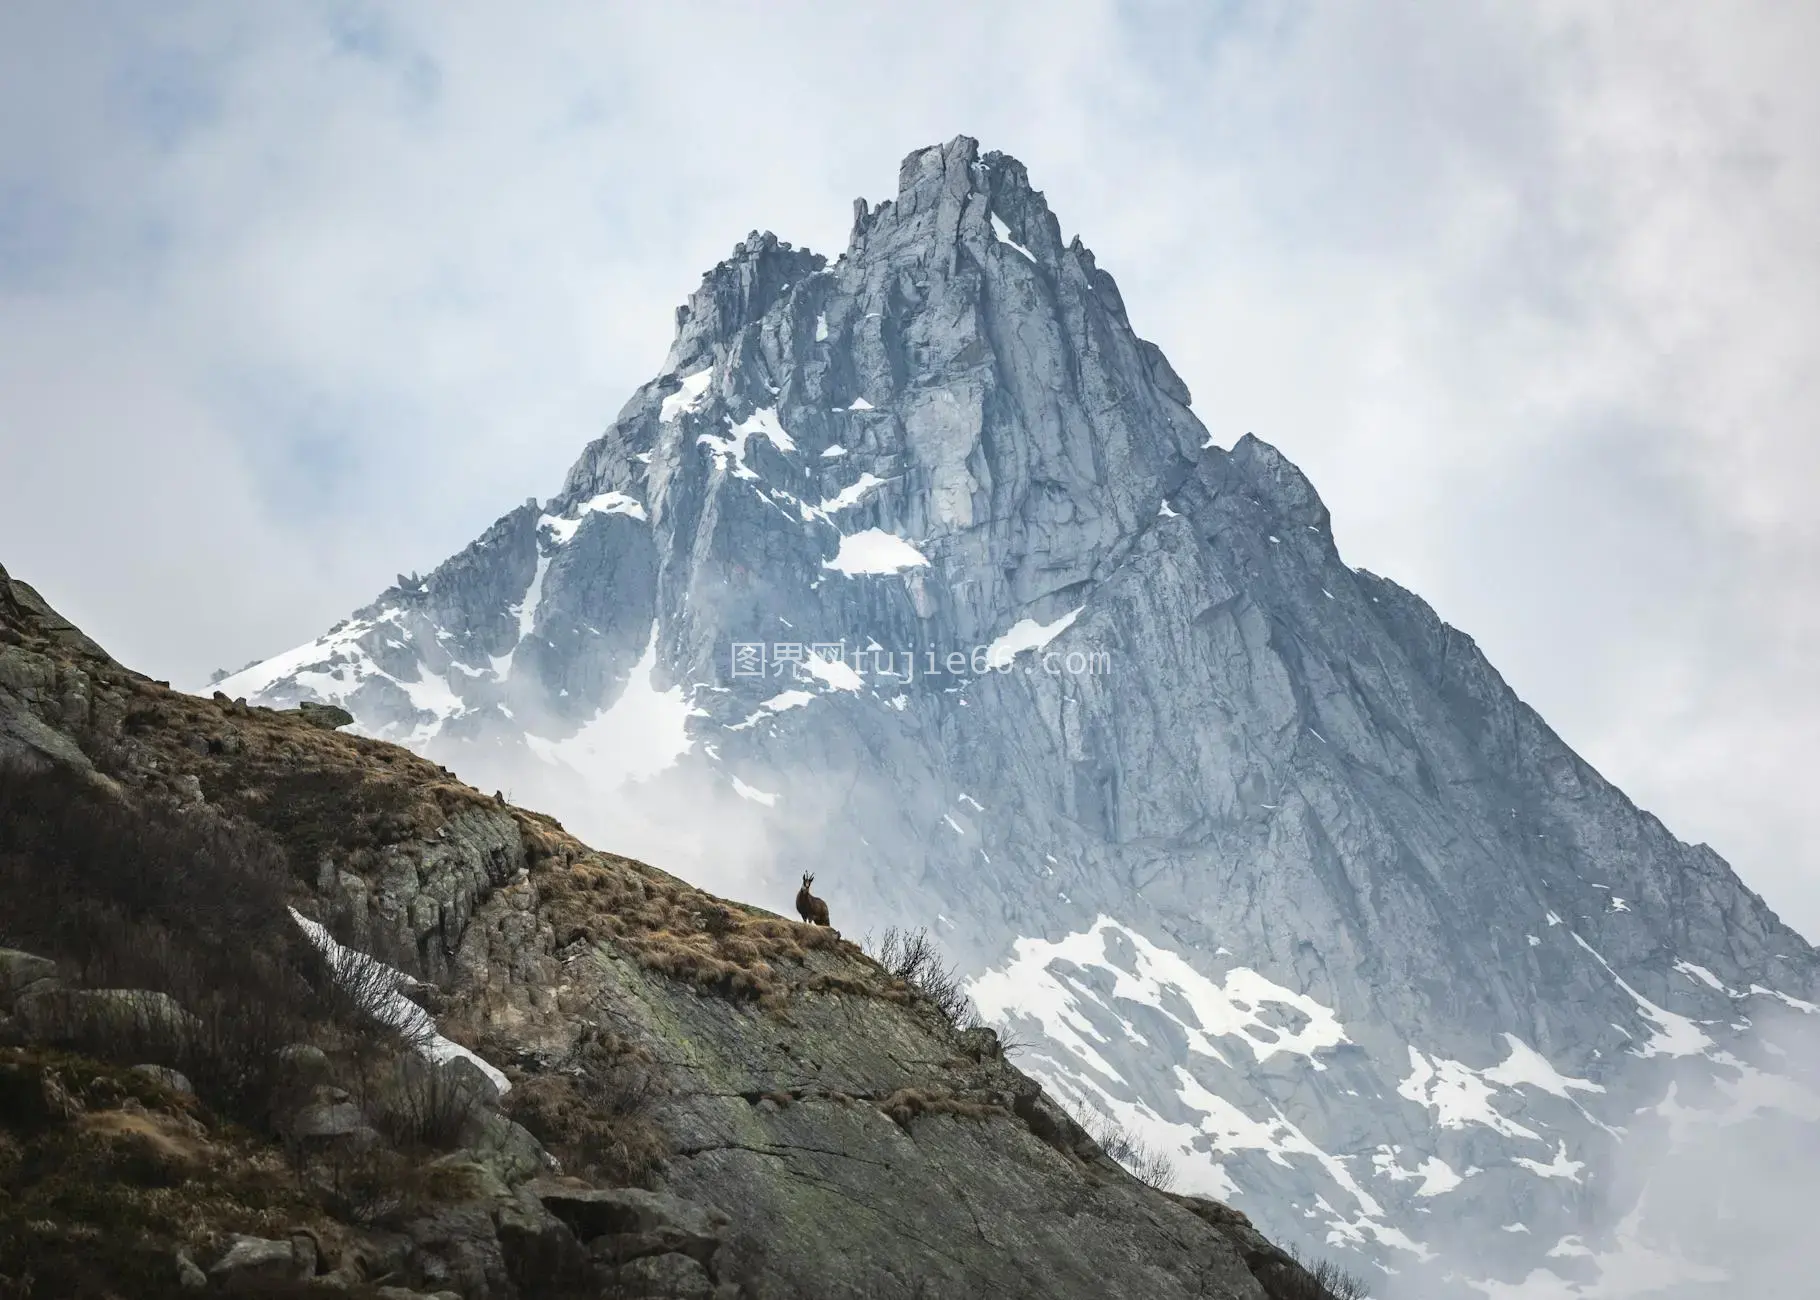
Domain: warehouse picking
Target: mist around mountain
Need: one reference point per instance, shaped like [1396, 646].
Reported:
[288, 1013]
[914, 568]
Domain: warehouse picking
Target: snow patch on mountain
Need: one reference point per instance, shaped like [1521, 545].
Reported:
[1807, 1008]
[1526, 1066]
[1675, 1035]
[1027, 634]
[688, 397]
[851, 494]
[753, 793]
[1002, 233]
[526, 612]
[1436, 1175]
[1457, 1094]
[336, 647]
[874, 551]
[1039, 982]
[835, 673]
[1559, 1167]
[730, 451]
[779, 703]
[607, 503]
[398, 1010]
[644, 732]
[335, 666]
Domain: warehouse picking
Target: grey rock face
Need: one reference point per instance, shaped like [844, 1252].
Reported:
[1262, 856]
[250, 1261]
[20, 971]
[167, 1078]
[50, 1013]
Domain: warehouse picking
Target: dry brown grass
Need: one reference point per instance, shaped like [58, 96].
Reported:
[316, 791]
[595, 1111]
[671, 928]
[863, 986]
[167, 1141]
[906, 1104]
[102, 1186]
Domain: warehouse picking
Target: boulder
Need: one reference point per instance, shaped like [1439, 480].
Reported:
[539, 1248]
[505, 1149]
[308, 1061]
[456, 1247]
[632, 1212]
[469, 1077]
[329, 1124]
[674, 1277]
[252, 1264]
[167, 1078]
[52, 1013]
[326, 716]
[305, 1253]
[20, 971]
[981, 1043]
[189, 1277]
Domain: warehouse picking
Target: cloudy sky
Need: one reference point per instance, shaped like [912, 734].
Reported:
[296, 296]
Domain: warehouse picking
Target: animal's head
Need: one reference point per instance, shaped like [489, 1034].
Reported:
[808, 879]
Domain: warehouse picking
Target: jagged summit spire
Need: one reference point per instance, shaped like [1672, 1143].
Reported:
[737, 292]
[940, 182]
[943, 191]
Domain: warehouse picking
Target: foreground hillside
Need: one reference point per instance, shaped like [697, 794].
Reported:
[592, 1079]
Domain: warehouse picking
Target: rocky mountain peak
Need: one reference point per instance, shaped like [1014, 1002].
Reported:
[952, 193]
[917, 567]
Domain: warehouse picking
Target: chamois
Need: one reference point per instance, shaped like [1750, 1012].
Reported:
[812, 909]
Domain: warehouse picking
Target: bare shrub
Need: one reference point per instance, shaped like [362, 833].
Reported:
[369, 1187]
[176, 901]
[74, 851]
[1143, 1162]
[1319, 1280]
[358, 989]
[912, 956]
[1011, 1041]
[425, 1106]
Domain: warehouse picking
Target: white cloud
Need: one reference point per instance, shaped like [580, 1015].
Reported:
[294, 298]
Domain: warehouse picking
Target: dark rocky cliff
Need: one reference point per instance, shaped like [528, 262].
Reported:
[699, 1098]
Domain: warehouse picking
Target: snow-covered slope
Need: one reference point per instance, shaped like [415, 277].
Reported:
[917, 568]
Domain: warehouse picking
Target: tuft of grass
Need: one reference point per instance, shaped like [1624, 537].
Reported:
[667, 926]
[906, 1104]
